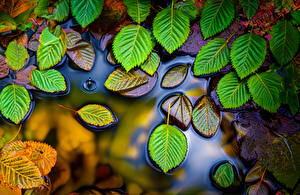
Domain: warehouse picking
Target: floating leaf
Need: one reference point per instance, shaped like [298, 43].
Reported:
[212, 57]
[249, 7]
[248, 52]
[167, 147]
[43, 156]
[22, 77]
[258, 189]
[82, 54]
[4, 70]
[232, 92]
[180, 110]
[20, 171]
[48, 80]
[171, 28]
[86, 11]
[132, 45]
[265, 90]
[223, 176]
[284, 41]
[174, 76]
[138, 10]
[72, 37]
[206, 116]
[16, 56]
[61, 11]
[216, 16]
[255, 173]
[14, 103]
[96, 115]
[50, 50]
[121, 80]
[151, 64]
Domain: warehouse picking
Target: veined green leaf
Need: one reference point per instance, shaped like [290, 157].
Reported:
[212, 57]
[206, 117]
[14, 103]
[188, 8]
[42, 9]
[61, 11]
[151, 64]
[50, 50]
[167, 147]
[16, 56]
[249, 7]
[171, 28]
[216, 16]
[175, 76]
[295, 17]
[132, 45]
[224, 175]
[265, 90]
[120, 80]
[48, 80]
[96, 115]
[248, 53]
[284, 41]
[86, 11]
[7, 23]
[232, 92]
[138, 10]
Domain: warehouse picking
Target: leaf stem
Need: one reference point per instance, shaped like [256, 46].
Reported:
[67, 108]
[20, 127]
[261, 179]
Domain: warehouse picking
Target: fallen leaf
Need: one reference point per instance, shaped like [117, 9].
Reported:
[4, 69]
[174, 76]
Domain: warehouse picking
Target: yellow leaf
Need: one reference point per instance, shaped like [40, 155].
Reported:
[20, 171]
[8, 190]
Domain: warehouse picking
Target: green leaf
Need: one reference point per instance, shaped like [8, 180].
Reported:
[138, 10]
[290, 97]
[14, 103]
[224, 175]
[212, 57]
[151, 64]
[120, 80]
[167, 147]
[132, 45]
[61, 12]
[188, 8]
[86, 11]
[174, 76]
[180, 110]
[83, 55]
[171, 28]
[295, 17]
[7, 23]
[96, 115]
[284, 41]
[48, 80]
[265, 90]
[216, 16]
[249, 7]
[206, 117]
[42, 9]
[248, 53]
[50, 50]
[16, 56]
[232, 92]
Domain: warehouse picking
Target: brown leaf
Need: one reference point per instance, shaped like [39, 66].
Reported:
[174, 76]
[83, 55]
[22, 77]
[34, 40]
[16, 7]
[72, 37]
[4, 70]
[22, 39]
[255, 173]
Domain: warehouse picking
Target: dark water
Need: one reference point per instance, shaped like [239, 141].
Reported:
[124, 146]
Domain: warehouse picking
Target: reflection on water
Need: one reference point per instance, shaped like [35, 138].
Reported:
[124, 146]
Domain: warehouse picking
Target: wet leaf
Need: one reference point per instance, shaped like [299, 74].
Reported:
[255, 173]
[82, 54]
[16, 56]
[174, 76]
[206, 117]
[72, 37]
[138, 10]
[61, 12]
[96, 115]
[14, 103]
[167, 147]
[224, 175]
[4, 70]
[20, 171]
[120, 80]
[258, 189]
[48, 80]
[151, 64]
[22, 77]
[180, 110]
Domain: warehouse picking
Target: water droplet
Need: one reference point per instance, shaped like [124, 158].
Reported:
[89, 85]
